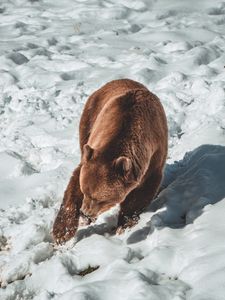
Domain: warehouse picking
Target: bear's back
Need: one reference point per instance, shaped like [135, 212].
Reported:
[121, 105]
[98, 99]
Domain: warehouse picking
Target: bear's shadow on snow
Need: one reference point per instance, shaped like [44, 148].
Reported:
[188, 186]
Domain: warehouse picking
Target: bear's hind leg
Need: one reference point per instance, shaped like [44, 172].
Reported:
[66, 222]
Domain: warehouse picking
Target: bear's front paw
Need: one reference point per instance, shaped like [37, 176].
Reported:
[65, 225]
[126, 222]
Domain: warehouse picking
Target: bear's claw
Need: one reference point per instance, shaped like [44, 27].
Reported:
[126, 222]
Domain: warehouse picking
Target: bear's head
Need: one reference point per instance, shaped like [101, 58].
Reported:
[104, 182]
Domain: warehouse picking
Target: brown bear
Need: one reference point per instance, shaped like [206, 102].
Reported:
[123, 142]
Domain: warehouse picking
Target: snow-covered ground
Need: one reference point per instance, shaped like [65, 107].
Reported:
[53, 54]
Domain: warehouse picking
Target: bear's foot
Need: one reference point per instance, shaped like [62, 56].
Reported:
[125, 222]
[66, 223]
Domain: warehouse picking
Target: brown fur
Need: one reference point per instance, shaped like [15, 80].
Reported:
[123, 141]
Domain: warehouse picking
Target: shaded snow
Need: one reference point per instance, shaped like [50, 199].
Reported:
[53, 54]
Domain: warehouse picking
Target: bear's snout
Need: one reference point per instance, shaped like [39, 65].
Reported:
[89, 208]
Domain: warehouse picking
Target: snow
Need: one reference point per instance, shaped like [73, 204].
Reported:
[53, 54]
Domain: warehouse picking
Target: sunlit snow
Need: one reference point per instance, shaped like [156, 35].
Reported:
[53, 54]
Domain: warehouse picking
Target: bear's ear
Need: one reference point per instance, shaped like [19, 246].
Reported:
[87, 153]
[123, 166]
